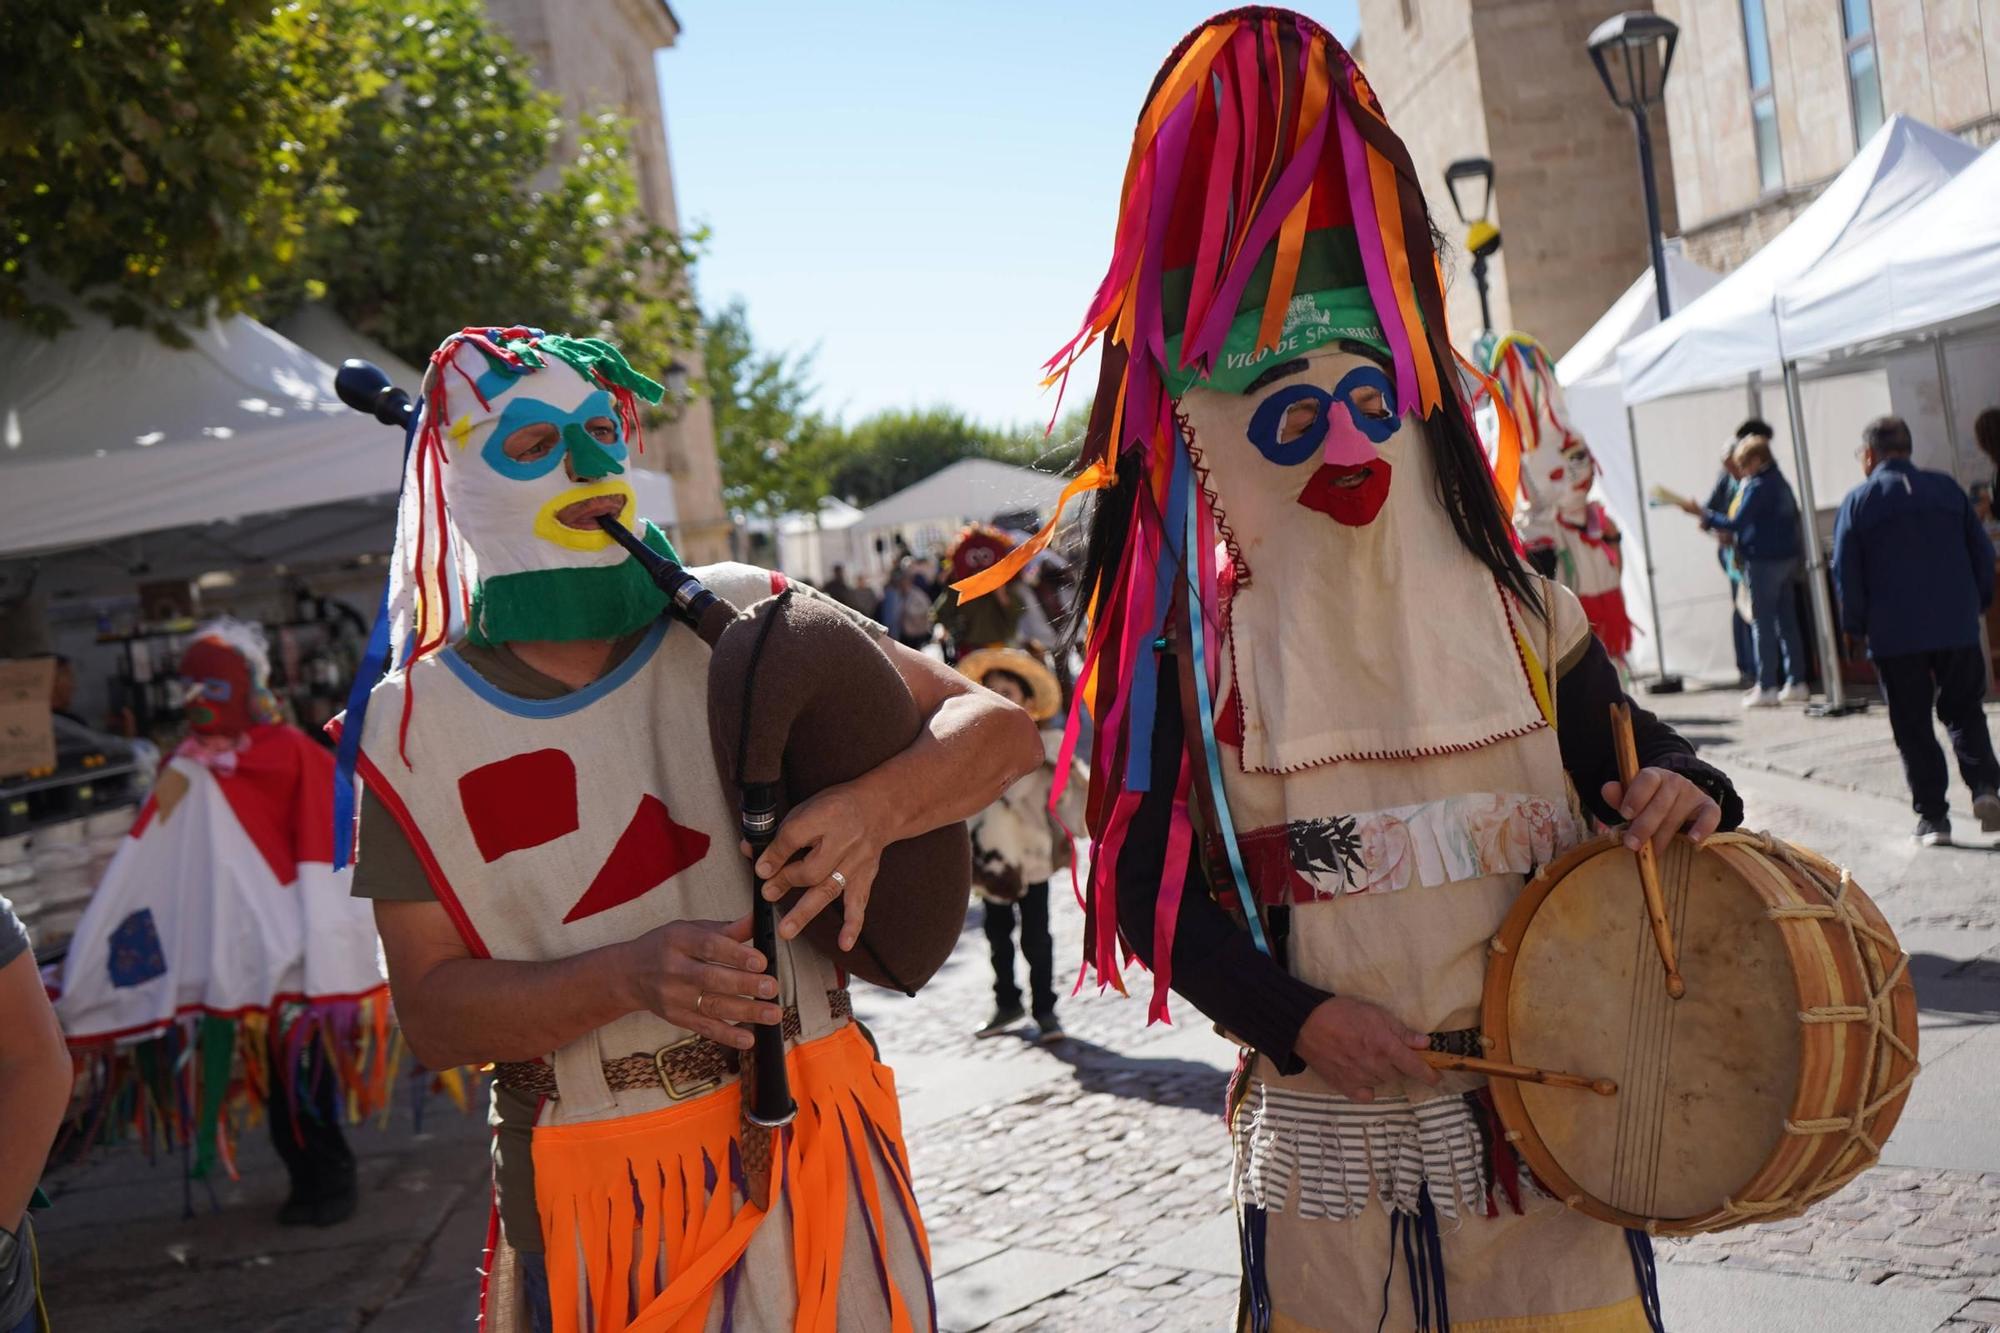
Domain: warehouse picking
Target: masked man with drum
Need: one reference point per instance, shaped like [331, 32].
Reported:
[1338, 720]
[553, 858]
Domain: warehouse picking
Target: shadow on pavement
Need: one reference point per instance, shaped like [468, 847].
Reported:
[1966, 987]
[1162, 1081]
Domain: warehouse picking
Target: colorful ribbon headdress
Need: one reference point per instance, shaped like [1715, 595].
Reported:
[1267, 206]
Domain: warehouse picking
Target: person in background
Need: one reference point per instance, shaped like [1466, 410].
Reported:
[1719, 497]
[35, 1076]
[1763, 517]
[1914, 570]
[62, 691]
[1986, 434]
[1017, 845]
[849, 595]
[988, 622]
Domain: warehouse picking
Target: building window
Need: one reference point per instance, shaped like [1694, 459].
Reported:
[1763, 101]
[1864, 80]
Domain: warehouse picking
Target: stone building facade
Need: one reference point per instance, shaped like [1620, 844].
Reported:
[598, 55]
[1769, 99]
[1511, 80]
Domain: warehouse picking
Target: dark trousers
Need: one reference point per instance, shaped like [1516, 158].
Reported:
[305, 1127]
[1746, 646]
[1953, 682]
[1035, 943]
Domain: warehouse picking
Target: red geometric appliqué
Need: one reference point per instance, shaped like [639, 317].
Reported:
[651, 851]
[520, 802]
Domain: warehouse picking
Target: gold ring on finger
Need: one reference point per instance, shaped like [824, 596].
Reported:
[699, 996]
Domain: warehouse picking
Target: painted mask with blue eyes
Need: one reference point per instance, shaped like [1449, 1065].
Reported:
[1321, 430]
[531, 434]
[533, 467]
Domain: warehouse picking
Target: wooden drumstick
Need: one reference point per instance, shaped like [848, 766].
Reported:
[1468, 1064]
[1649, 866]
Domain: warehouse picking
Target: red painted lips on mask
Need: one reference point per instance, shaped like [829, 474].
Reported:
[1355, 503]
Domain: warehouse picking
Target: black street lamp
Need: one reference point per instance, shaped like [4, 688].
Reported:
[1482, 238]
[1633, 52]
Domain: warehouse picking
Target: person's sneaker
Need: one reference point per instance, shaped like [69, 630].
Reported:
[1004, 1017]
[1933, 832]
[1986, 805]
[1050, 1029]
[1761, 698]
[1798, 692]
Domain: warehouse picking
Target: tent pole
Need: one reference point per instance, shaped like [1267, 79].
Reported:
[1822, 604]
[1950, 416]
[1666, 684]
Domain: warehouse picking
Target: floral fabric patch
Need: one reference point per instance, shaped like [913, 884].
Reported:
[1435, 842]
[135, 956]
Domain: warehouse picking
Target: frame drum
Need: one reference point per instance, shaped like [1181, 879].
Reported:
[1772, 1083]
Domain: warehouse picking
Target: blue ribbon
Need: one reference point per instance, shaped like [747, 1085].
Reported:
[1146, 668]
[1205, 709]
[374, 664]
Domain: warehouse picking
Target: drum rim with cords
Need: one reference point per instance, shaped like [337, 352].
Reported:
[1858, 1032]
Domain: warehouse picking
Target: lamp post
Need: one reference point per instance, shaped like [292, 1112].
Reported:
[1482, 238]
[1633, 52]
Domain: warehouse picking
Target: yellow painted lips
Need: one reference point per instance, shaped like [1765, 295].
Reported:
[619, 503]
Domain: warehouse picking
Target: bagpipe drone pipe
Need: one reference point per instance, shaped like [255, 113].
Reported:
[800, 699]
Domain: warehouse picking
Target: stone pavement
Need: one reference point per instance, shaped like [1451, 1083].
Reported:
[1084, 1186]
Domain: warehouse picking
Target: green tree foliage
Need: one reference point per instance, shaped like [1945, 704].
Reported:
[458, 213]
[394, 156]
[882, 453]
[163, 155]
[773, 446]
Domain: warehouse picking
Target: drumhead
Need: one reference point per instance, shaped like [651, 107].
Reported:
[1704, 1082]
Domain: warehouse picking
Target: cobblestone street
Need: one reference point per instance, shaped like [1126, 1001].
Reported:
[1084, 1186]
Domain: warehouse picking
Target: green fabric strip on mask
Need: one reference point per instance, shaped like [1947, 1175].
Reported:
[592, 358]
[1312, 321]
[587, 459]
[1330, 302]
[560, 605]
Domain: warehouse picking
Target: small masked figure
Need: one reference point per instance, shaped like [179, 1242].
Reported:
[222, 930]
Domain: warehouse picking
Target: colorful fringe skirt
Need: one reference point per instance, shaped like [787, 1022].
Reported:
[647, 1229]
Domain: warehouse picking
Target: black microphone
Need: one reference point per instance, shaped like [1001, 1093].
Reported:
[363, 387]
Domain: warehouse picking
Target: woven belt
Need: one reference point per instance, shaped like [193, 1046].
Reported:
[1459, 1041]
[689, 1067]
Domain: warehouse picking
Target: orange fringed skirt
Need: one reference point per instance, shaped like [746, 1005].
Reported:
[647, 1230]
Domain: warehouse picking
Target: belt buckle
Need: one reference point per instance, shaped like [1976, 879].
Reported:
[667, 1081]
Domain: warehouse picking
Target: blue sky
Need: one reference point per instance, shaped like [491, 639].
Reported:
[922, 191]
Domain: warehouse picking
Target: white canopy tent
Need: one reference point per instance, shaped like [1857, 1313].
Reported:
[929, 513]
[121, 456]
[1691, 378]
[109, 432]
[1937, 266]
[1595, 396]
[1732, 331]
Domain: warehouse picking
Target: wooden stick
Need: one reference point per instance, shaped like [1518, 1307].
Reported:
[1467, 1064]
[1649, 866]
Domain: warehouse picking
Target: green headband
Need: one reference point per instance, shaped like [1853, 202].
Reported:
[1330, 303]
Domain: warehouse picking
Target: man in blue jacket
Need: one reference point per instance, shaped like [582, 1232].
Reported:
[1915, 572]
[1763, 517]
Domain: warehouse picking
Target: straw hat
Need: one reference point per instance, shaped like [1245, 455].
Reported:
[1044, 694]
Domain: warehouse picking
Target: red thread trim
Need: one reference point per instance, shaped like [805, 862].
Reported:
[432, 870]
[209, 1011]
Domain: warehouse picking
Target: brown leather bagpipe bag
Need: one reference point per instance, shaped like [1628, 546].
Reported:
[801, 695]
